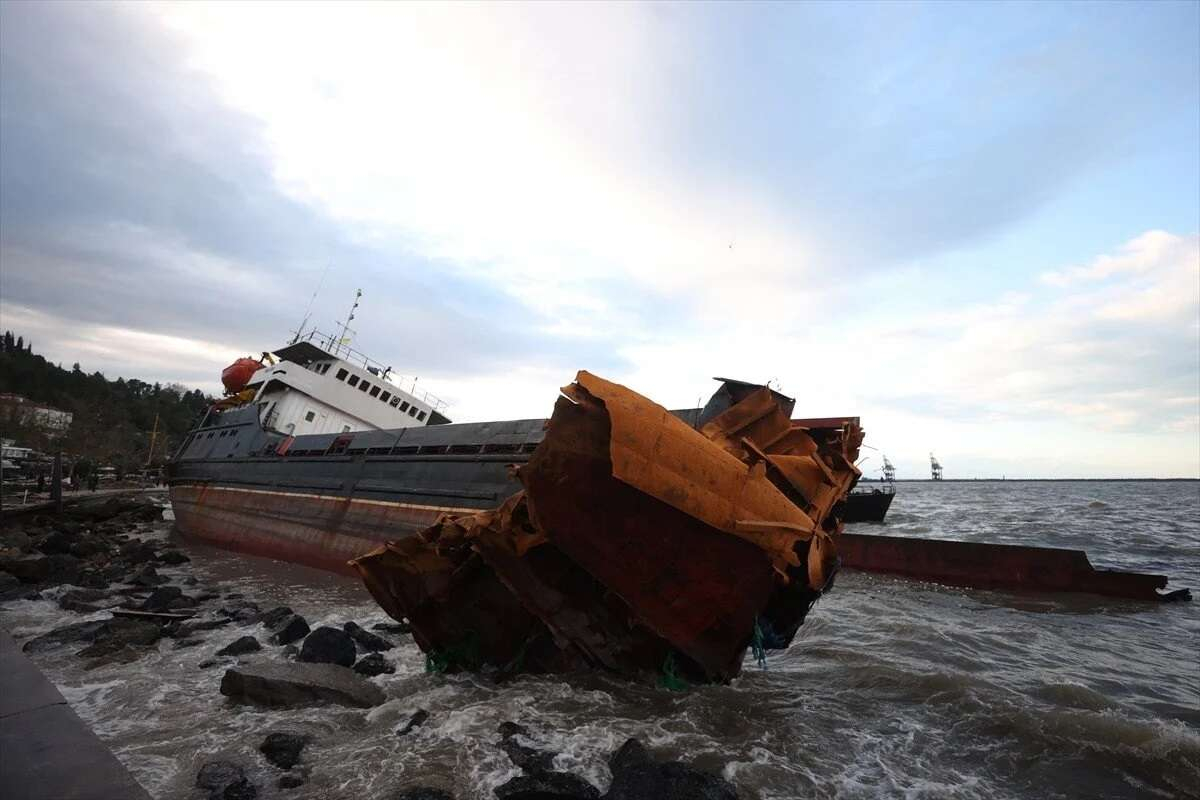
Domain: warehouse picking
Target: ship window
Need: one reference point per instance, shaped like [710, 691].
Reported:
[374, 391]
[383, 398]
[362, 387]
[395, 402]
[421, 416]
[464, 449]
[353, 380]
[404, 406]
[341, 375]
[405, 451]
[412, 412]
[310, 416]
[345, 429]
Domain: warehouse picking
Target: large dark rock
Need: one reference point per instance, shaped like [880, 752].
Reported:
[81, 600]
[283, 749]
[530, 759]
[10, 586]
[638, 776]
[64, 568]
[27, 569]
[414, 722]
[186, 629]
[173, 557]
[138, 552]
[160, 599]
[365, 639]
[421, 793]
[240, 646]
[374, 664]
[119, 633]
[147, 576]
[240, 610]
[328, 646]
[291, 781]
[16, 539]
[57, 542]
[224, 780]
[294, 684]
[291, 628]
[276, 615]
[67, 634]
[548, 786]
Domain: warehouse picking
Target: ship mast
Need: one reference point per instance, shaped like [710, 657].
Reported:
[342, 338]
[935, 468]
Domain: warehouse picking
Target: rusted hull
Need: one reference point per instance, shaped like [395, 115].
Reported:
[639, 543]
[311, 529]
[994, 566]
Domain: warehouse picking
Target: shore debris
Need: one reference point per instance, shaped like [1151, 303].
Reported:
[640, 544]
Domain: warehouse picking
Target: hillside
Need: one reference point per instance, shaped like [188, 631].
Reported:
[113, 418]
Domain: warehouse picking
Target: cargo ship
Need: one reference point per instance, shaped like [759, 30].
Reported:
[318, 454]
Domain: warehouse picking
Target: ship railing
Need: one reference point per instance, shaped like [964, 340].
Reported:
[333, 345]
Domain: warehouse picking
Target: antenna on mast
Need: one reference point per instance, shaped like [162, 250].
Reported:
[308, 311]
[343, 339]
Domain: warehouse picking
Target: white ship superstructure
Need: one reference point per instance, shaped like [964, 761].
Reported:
[320, 386]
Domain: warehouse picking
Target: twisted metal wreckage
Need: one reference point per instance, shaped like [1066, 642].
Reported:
[639, 543]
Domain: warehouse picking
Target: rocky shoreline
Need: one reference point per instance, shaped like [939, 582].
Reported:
[95, 560]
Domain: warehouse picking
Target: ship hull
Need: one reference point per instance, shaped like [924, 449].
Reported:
[864, 506]
[316, 530]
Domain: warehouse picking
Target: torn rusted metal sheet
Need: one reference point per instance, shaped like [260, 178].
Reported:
[981, 565]
[639, 541]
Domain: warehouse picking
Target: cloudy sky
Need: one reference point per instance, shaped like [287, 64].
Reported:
[976, 226]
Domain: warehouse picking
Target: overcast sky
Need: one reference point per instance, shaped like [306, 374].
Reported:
[976, 225]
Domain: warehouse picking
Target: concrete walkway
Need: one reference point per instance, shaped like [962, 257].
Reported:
[46, 751]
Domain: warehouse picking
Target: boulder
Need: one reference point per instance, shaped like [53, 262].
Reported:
[374, 664]
[186, 629]
[549, 786]
[365, 639]
[137, 551]
[293, 684]
[57, 542]
[638, 776]
[10, 586]
[414, 722]
[530, 759]
[393, 627]
[147, 576]
[64, 568]
[161, 598]
[240, 610]
[290, 781]
[27, 569]
[328, 646]
[421, 793]
[67, 634]
[118, 654]
[82, 601]
[173, 557]
[224, 780]
[283, 749]
[16, 539]
[291, 628]
[276, 615]
[240, 646]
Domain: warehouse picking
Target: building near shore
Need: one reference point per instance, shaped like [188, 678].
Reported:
[23, 410]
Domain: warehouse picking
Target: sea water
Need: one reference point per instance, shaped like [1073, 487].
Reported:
[892, 688]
